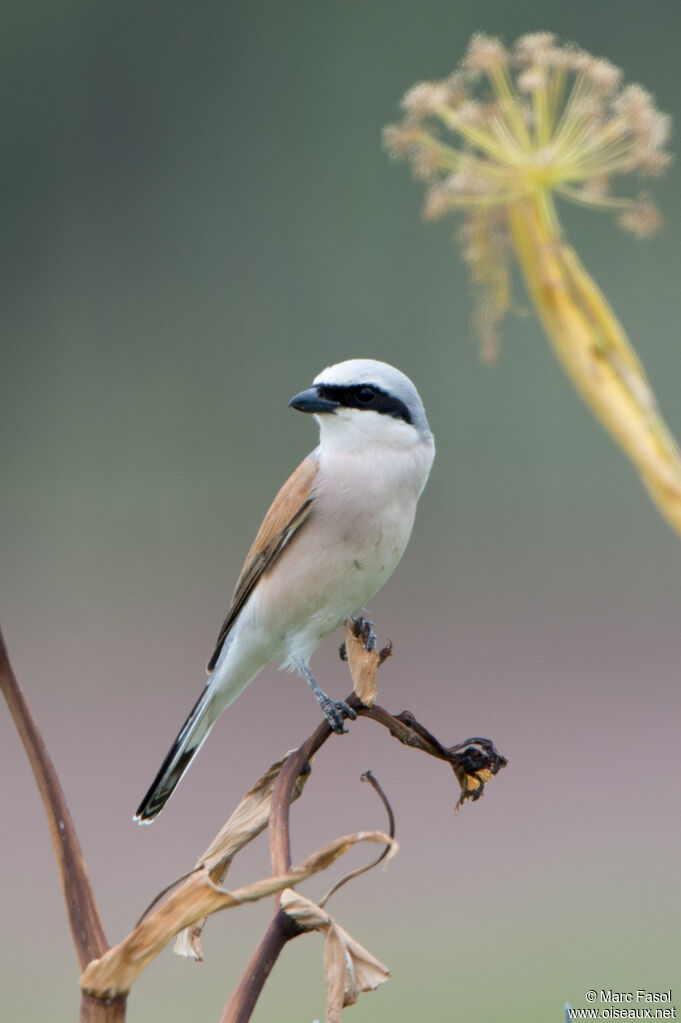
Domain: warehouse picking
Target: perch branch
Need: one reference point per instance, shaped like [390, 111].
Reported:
[281, 928]
[474, 762]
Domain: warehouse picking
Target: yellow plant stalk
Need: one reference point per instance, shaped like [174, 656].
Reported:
[596, 354]
[553, 121]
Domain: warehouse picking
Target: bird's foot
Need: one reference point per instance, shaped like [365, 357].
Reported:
[364, 630]
[335, 712]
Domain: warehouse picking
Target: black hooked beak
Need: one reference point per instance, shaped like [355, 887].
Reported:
[310, 401]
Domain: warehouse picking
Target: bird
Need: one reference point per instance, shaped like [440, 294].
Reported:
[331, 538]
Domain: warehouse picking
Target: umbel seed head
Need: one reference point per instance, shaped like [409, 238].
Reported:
[529, 123]
[540, 116]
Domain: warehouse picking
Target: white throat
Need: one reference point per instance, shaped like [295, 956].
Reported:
[361, 431]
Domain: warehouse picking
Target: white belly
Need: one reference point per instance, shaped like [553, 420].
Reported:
[341, 557]
[327, 578]
[357, 531]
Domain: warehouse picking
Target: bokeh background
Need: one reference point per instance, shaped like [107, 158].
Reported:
[197, 217]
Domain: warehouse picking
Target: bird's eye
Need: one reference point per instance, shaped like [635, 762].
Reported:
[365, 395]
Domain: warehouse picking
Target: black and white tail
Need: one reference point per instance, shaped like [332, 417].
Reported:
[193, 734]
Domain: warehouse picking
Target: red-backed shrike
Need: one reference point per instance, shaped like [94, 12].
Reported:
[335, 532]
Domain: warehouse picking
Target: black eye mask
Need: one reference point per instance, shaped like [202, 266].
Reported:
[365, 396]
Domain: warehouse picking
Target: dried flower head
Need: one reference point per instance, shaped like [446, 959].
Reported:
[538, 121]
[554, 124]
[499, 140]
[485, 53]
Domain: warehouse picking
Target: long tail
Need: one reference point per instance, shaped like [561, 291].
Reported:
[193, 734]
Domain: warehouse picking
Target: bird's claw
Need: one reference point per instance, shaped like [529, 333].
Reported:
[335, 712]
[364, 630]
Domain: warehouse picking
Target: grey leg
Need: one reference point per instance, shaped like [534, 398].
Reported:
[335, 711]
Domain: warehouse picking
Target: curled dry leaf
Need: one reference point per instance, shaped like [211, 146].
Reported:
[248, 820]
[350, 969]
[472, 785]
[363, 659]
[475, 762]
[199, 896]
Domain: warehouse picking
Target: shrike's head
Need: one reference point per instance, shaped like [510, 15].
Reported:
[367, 399]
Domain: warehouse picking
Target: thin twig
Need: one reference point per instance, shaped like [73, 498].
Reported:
[367, 776]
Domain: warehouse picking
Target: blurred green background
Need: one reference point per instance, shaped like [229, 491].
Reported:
[198, 217]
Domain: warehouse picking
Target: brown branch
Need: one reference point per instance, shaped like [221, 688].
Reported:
[473, 762]
[296, 763]
[100, 1010]
[86, 924]
[281, 928]
[243, 998]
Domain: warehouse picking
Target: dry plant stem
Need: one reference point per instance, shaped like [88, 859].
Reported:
[280, 843]
[522, 126]
[97, 1010]
[200, 894]
[368, 777]
[281, 928]
[595, 352]
[476, 757]
[242, 1001]
[114, 970]
[86, 925]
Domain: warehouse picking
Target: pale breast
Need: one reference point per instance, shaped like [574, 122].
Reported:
[360, 524]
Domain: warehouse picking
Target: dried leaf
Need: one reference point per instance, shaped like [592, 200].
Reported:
[248, 821]
[472, 785]
[199, 896]
[475, 762]
[349, 968]
[363, 664]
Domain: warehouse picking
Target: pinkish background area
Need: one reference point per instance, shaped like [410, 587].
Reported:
[197, 218]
